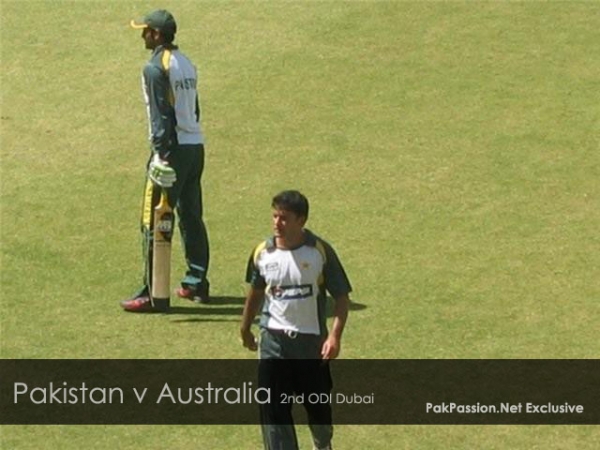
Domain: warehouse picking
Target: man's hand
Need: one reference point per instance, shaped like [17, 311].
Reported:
[331, 348]
[160, 172]
[332, 345]
[253, 301]
[248, 340]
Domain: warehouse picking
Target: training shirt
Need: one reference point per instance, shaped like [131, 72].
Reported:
[295, 283]
[169, 85]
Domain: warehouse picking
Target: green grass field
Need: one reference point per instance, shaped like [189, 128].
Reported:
[449, 150]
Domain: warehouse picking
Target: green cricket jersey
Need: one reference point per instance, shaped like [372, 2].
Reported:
[170, 87]
[296, 282]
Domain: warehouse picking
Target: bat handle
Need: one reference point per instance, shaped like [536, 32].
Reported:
[164, 198]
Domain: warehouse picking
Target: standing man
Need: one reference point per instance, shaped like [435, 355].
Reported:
[169, 82]
[289, 275]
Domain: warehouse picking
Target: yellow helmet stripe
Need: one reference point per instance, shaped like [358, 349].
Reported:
[137, 26]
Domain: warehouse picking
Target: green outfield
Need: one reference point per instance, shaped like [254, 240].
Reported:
[449, 151]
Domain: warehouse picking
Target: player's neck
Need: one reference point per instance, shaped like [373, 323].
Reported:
[290, 242]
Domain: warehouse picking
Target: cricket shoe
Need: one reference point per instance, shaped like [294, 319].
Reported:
[199, 295]
[139, 305]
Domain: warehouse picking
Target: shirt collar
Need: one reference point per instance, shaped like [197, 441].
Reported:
[309, 239]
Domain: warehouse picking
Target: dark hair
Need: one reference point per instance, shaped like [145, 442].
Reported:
[292, 201]
[168, 38]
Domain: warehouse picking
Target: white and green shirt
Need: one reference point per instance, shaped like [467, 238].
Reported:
[170, 88]
[296, 282]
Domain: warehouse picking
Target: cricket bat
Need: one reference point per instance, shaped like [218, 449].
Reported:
[164, 220]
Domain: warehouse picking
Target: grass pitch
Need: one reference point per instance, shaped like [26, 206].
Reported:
[449, 150]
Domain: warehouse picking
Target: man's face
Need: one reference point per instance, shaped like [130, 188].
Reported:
[150, 38]
[287, 224]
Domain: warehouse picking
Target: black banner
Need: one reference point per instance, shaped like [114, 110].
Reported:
[385, 392]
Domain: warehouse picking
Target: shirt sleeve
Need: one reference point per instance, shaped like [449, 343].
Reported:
[336, 280]
[161, 114]
[253, 276]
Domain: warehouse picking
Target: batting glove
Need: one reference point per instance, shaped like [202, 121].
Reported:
[160, 172]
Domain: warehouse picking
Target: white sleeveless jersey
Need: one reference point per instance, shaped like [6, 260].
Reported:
[292, 288]
[184, 81]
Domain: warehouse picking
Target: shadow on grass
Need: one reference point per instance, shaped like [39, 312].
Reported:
[218, 306]
[355, 306]
[232, 307]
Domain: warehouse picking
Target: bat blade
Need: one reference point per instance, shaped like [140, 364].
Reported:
[161, 248]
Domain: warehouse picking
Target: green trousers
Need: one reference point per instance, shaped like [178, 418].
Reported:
[291, 367]
[185, 196]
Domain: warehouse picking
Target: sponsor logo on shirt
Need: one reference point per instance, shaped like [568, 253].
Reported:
[295, 292]
[271, 267]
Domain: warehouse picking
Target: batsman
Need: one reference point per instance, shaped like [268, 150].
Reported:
[174, 169]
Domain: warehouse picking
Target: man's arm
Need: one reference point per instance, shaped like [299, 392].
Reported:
[160, 110]
[332, 345]
[338, 285]
[254, 299]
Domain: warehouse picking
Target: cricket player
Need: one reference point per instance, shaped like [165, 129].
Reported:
[170, 88]
[289, 275]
